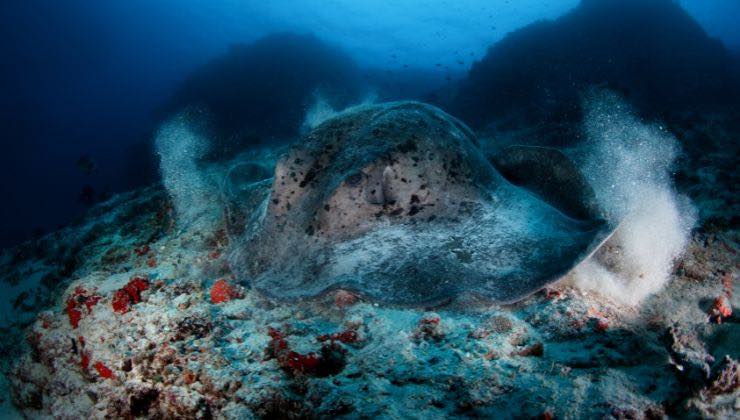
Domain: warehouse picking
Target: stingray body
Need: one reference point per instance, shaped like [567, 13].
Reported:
[398, 203]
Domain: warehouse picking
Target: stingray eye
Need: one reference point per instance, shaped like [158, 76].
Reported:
[353, 180]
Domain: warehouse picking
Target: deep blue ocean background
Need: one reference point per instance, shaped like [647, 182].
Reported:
[84, 84]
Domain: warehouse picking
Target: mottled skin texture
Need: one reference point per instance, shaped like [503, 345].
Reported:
[397, 202]
[379, 165]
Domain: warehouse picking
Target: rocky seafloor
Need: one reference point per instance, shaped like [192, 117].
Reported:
[130, 314]
[152, 324]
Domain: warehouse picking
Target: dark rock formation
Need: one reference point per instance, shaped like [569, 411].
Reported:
[259, 92]
[651, 51]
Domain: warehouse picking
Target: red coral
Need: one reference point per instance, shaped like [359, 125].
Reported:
[602, 322]
[347, 337]
[188, 377]
[278, 342]
[74, 315]
[303, 363]
[222, 291]
[130, 294]
[329, 362]
[92, 301]
[103, 370]
[120, 301]
[430, 326]
[135, 287]
[720, 309]
[551, 294]
[85, 361]
[602, 325]
[77, 303]
[142, 250]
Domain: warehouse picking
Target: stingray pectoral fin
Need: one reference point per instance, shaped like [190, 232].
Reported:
[243, 194]
[552, 176]
[521, 248]
[502, 253]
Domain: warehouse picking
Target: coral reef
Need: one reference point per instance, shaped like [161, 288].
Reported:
[131, 313]
[177, 353]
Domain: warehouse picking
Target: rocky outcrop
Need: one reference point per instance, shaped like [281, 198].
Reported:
[651, 51]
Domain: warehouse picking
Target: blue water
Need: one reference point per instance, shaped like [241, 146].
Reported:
[91, 79]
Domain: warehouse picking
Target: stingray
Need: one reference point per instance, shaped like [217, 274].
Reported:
[398, 203]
